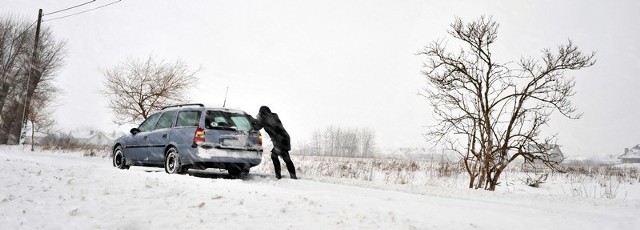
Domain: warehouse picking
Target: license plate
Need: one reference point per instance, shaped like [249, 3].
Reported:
[234, 141]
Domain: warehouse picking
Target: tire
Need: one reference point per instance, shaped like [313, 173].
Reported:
[172, 164]
[118, 158]
[238, 173]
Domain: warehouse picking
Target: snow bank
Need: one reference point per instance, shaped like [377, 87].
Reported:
[45, 190]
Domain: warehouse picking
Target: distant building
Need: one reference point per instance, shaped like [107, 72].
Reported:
[93, 138]
[631, 155]
[37, 138]
[554, 153]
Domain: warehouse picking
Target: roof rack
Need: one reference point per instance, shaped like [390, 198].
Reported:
[182, 105]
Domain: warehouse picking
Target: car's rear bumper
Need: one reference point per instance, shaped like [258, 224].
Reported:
[212, 156]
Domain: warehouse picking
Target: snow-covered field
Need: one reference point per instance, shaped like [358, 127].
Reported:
[50, 190]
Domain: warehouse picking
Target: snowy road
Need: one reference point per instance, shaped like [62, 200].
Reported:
[66, 191]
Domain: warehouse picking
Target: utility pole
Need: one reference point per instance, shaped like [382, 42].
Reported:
[35, 45]
[34, 70]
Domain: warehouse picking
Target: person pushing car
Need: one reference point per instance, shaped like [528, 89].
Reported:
[280, 138]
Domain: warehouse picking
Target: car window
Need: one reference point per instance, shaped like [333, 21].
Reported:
[227, 119]
[148, 124]
[166, 119]
[216, 118]
[188, 118]
[241, 122]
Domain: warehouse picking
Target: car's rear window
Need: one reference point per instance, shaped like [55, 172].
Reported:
[188, 118]
[216, 119]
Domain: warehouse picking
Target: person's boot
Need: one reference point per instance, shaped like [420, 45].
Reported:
[278, 175]
[290, 167]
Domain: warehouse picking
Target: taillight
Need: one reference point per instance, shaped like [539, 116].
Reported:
[259, 139]
[199, 136]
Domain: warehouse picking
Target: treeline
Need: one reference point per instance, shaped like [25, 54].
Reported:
[340, 142]
[26, 77]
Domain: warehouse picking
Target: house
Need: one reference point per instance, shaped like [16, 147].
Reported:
[93, 138]
[554, 153]
[631, 155]
[37, 138]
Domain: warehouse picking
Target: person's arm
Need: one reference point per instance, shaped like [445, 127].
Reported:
[255, 123]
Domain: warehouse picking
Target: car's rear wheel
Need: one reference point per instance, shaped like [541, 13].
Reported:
[172, 164]
[238, 172]
[118, 158]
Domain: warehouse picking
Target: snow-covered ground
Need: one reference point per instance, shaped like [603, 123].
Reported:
[47, 190]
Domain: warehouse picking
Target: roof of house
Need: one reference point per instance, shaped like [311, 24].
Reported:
[633, 153]
[552, 148]
[553, 151]
[88, 134]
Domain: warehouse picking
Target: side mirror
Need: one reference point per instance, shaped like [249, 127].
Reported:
[134, 131]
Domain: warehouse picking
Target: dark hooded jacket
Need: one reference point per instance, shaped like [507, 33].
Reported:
[272, 125]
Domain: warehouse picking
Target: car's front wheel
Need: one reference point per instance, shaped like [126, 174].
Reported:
[172, 164]
[118, 158]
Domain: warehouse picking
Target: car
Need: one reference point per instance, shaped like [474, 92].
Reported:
[192, 136]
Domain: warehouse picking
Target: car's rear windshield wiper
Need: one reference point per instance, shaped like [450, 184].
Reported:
[232, 128]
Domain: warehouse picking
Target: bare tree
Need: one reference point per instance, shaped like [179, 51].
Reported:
[367, 142]
[14, 50]
[21, 73]
[40, 113]
[492, 113]
[316, 140]
[336, 141]
[14, 47]
[350, 143]
[136, 89]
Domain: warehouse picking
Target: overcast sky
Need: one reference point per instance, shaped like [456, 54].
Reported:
[350, 64]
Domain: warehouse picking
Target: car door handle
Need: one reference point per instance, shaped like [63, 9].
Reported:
[164, 135]
[145, 137]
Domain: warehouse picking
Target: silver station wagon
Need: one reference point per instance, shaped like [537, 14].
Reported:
[187, 136]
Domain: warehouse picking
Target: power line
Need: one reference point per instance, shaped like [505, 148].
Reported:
[27, 29]
[33, 23]
[81, 12]
[76, 6]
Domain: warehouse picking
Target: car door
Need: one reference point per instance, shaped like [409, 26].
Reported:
[183, 132]
[136, 147]
[158, 138]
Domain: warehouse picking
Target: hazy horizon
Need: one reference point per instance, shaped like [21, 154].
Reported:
[349, 64]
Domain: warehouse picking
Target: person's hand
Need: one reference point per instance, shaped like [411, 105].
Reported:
[255, 123]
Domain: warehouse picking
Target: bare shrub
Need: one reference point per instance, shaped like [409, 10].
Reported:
[598, 180]
[445, 169]
[536, 181]
[65, 142]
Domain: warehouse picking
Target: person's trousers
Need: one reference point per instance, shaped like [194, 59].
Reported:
[287, 160]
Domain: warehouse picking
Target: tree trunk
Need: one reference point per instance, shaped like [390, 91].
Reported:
[10, 130]
[496, 176]
[472, 179]
[14, 132]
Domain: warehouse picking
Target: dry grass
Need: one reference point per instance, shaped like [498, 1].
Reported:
[577, 180]
[86, 150]
[394, 171]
